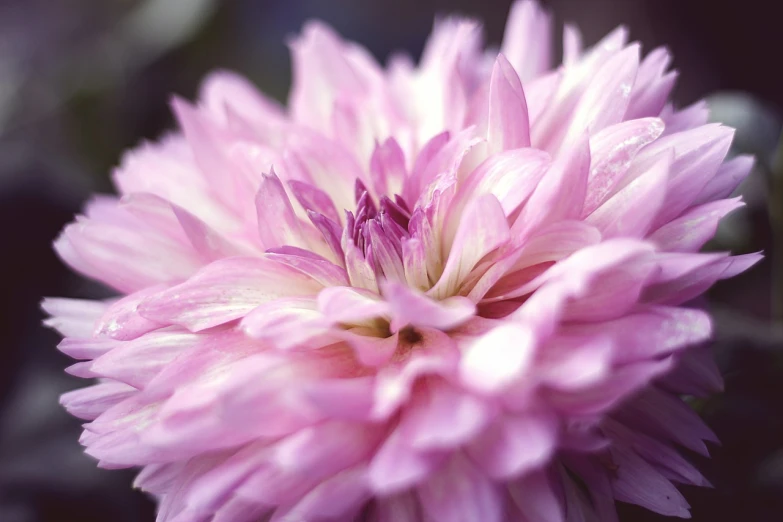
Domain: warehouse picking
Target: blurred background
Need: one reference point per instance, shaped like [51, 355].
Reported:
[82, 80]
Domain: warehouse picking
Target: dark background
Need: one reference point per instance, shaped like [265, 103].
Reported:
[81, 80]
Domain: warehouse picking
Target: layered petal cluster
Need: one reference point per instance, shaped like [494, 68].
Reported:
[451, 291]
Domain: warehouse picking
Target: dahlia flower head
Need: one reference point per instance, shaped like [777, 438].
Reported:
[451, 291]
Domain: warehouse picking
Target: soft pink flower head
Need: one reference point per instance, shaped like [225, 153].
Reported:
[435, 292]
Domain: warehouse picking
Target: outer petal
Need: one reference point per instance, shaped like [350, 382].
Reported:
[226, 290]
[630, 212]
[508, 126]
[459, 492]
[527, 41]
[515, 445]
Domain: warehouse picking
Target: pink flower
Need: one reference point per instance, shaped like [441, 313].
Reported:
[422, 292]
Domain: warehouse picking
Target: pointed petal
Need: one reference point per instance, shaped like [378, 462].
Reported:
[73, 317]
[630, 212]
[387, 166]
[508, 126]
[226, 290]
[613, 149]
[514, 445]
[534, 496]
[689, 232]
[606, 98]
[277, 223]
[482, 228]
[88, 403]
[314, 199]
[727, 179]
[527, 41]
[138, 361]
[458, 492]
[695, 282]
[639, 483]
[560, 195]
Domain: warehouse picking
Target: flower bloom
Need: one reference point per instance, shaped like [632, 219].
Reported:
[446, 292]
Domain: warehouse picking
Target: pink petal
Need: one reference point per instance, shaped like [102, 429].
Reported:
[515, 445]
[314, 199]
[696, 373]
[370, 350]
[86, 348]
[127, 257]
[497, 359]
[482, 228]
[434, 354]
[442, 417]
[386, 255]
[639, 483]
[560, 195]
[575, 361]
[325, 448]
[277, 223]
[667, 417]
[409, 307]
[689, 232]
[387, 166]
[697, 281]
[698, 154]
[73, 317]
[397, 508]
[342, 399]
[533, 495]
[226, 290]
[224, 89]
[208, 243]
[321, 72]
[458, 492]
[414, 260]
[652, 333]
[221, 175]
[312, 265]
[396, 466]
[630, 212]
[136, 362]
[360, 273]
[122, 319]
[88, 403]
[653, 85]
[343, 304]
[511, 176]
[527, 41]
[331, 233]
[606, 97]
[338, 498]
[690, 117]
[287, 323]
[613, 149]
[508, 126]
[620, 384]
[727, 179]
[553, 243]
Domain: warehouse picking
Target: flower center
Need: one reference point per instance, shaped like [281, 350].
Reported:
[378, 232]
